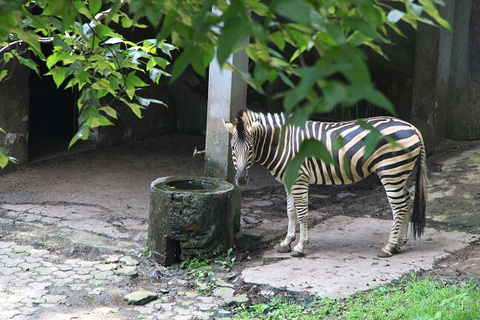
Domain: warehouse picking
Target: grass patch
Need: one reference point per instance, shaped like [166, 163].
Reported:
[411, 298]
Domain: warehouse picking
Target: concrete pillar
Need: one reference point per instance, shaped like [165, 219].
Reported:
[431, 78]
[464, 93]
[227, 94]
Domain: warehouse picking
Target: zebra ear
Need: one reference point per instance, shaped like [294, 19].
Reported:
[228, 126]
[254, 126]
[244, 117]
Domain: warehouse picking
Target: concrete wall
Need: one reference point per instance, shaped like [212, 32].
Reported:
[446, 102]
[446, 95]
[14, 100]
[464, 98]
[157, 120]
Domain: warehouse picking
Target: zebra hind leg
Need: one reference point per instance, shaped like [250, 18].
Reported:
[284, 246]
[404, 233]
[399, 202]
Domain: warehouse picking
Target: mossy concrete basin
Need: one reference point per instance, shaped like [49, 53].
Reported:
[189, 216]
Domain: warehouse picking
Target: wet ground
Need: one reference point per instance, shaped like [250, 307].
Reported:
[73, 231]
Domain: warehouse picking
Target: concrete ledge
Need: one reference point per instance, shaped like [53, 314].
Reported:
[342, 258]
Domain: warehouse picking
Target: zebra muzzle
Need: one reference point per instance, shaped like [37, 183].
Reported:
[241, 178]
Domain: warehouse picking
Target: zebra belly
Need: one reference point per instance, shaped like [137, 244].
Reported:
[325, 174]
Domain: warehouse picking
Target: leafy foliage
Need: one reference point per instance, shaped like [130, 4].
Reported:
[411, 298]
[90, 55]
[312, 46]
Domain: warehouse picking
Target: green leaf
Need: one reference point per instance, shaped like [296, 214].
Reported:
[363, 27]
[101, 84]
[133, 81]
[146, 101]
[3, 161]
[377, 98]
[81, 134]
[278, 39]
[295, 10]
[431, 10]
[55, 57]
[395, 15]
[3, 74]
[28, 63]
[58, 74]
[233, 32]
[166, 48]
[136, 108]
[260, 72]
[127, 22]
[334, 93]
[308, 76]
[95, 6]
[154, 74]
[372, 139]
[182, 62]
[308, 148]
[113, 41]
[99, 121]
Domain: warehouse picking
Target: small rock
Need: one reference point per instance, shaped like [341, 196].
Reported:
[221, 283]
[250, 220]
[126, 271]
[164, 290]
[267, 293]
[223, 313]
[112, 259]
[224, 293]
[65, 268]
[202, 286]
[230, 276]
[241, 298]
[140, 297]
[129, 261]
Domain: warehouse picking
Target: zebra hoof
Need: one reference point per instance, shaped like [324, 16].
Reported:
[297, 254]
[384, 253]
[284, 249]
[396, 250]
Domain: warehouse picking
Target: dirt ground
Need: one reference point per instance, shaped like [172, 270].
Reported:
[117, 180]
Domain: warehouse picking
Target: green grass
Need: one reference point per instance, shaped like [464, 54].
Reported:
[411, 298]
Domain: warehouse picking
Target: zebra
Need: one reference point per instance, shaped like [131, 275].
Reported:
[268, 140]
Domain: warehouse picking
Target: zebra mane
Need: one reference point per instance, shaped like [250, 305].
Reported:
[240, 125]
[277, 119]
[248, 117]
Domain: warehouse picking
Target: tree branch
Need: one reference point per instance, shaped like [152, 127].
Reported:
[10, 46]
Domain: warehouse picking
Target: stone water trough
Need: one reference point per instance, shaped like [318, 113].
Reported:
[189, 216]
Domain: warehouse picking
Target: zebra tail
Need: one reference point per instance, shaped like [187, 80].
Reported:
[421, 194]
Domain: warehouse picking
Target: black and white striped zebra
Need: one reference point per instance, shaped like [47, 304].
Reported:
[266, 139]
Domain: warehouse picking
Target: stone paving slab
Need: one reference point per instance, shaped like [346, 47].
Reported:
[342, 258]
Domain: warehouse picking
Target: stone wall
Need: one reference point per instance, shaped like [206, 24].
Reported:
[14, 100]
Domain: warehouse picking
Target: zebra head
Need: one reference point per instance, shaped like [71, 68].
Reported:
[242, 146]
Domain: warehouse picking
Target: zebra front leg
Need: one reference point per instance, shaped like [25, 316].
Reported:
[300, 198]
[292, 220]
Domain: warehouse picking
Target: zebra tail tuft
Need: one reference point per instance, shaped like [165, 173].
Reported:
[421, 196]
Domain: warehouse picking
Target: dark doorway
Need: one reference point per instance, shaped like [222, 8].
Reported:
[52, 117]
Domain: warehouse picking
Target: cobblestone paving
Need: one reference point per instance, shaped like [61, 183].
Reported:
[36, 283]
